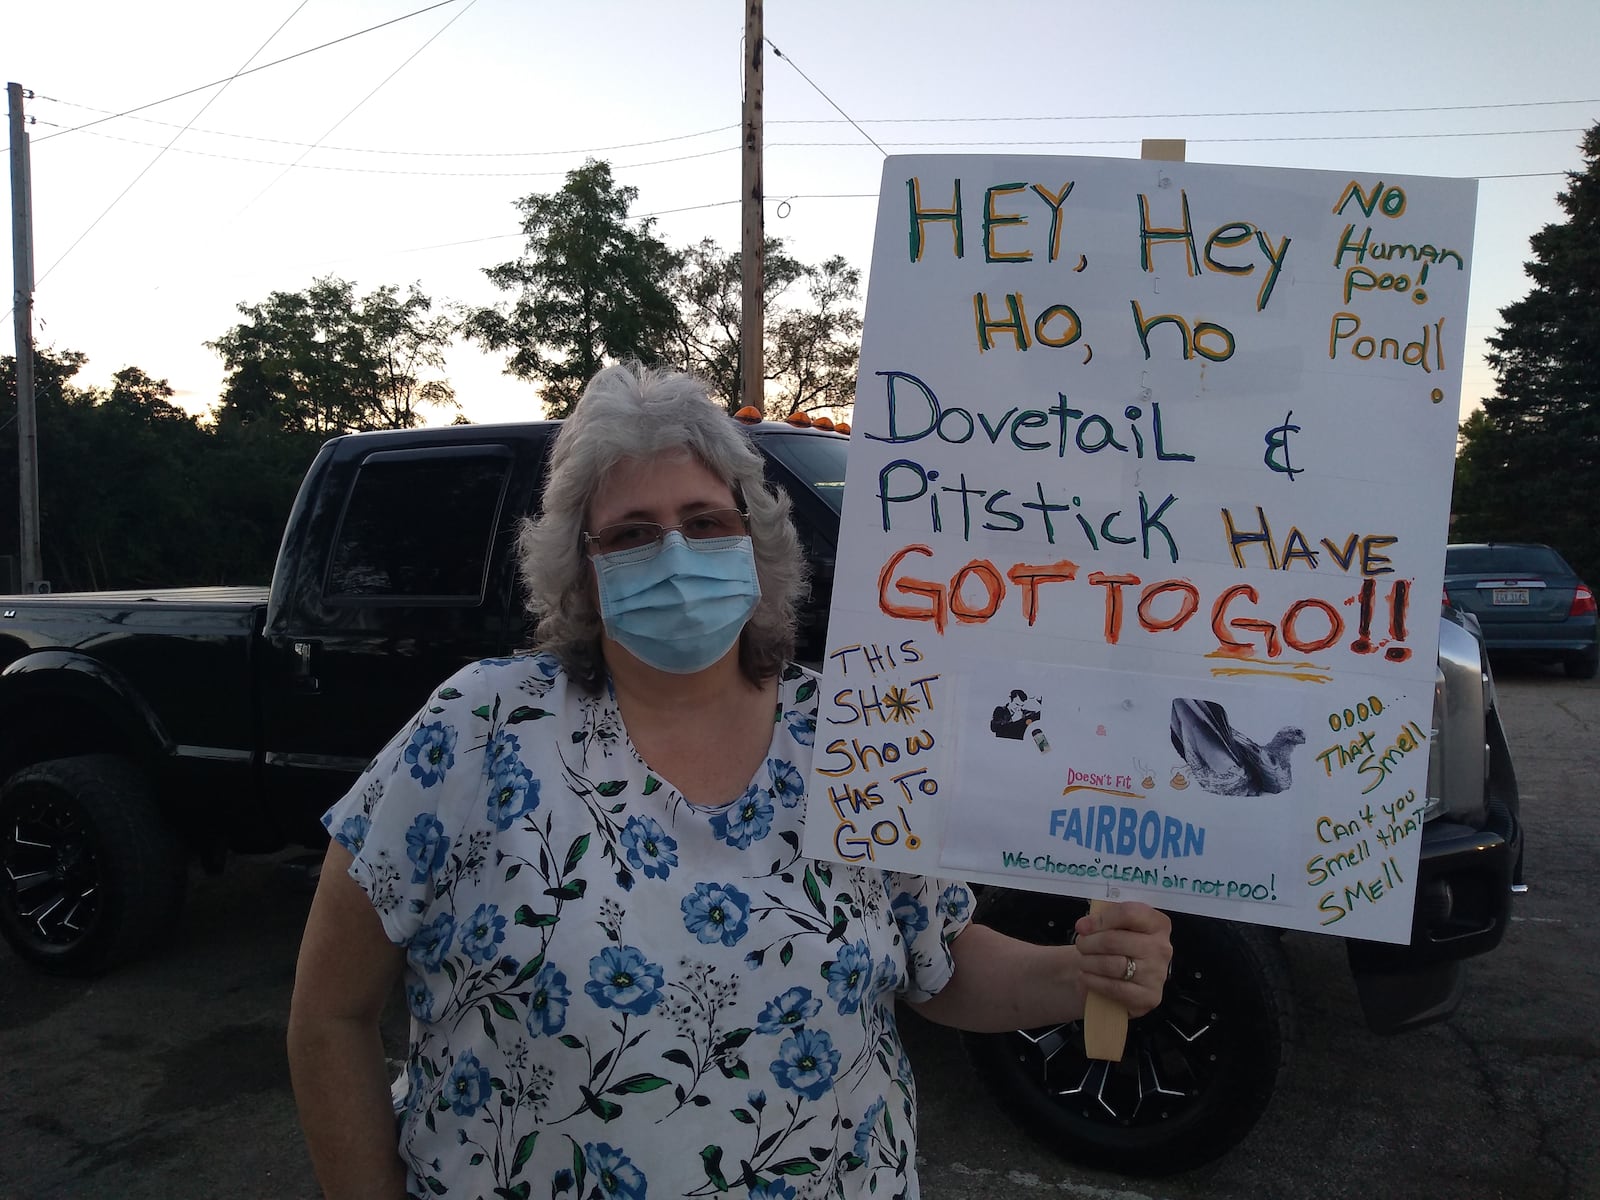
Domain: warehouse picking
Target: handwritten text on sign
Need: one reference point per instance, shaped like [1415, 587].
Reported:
[1151, 463]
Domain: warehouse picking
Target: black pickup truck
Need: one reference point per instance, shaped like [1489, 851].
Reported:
[142, 731]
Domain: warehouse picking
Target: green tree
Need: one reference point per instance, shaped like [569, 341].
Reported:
[812, 346]
[326, 361]
[707, 288]
[590, 288]
[117, 501]
[813, 351]
[135, 493]
[1529, 462]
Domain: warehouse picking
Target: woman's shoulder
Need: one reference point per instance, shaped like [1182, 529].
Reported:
[797, 702]
[485, 696]
[530, 671]
[797, 686]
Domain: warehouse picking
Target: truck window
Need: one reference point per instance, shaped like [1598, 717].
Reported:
[817, 461]
[419, 526]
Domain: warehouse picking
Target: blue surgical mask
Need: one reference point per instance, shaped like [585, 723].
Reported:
[678, 608]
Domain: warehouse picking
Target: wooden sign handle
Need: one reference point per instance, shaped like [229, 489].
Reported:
[1105, 1022]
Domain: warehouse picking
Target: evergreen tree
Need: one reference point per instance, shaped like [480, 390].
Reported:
[1529, 465]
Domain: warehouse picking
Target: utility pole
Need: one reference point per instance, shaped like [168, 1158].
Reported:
[752, 314]
[22, 301]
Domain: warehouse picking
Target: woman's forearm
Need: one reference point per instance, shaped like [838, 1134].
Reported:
[1122, 952]
[1002, 983]
[342, 1089]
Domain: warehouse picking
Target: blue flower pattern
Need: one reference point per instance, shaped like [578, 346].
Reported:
[352, 833]
[511, 829]
[547, 1003]
[849, 977]
[513, 792]
[787, 785]
[771, 1189]
[910, 914]
[502, 747]
[419, 1000]
[431, 753]
[614, 1174]
[468, 1087]
[716, 913]
[954, 902]
[746, 821]
[864, 1127]
[431, 943]
[620, 977]
[483, 933]
[427, 846]
[802, 727]
[649, 848]
[788, 1011]
[806, 1063]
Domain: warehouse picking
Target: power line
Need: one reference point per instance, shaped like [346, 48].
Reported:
[246, 137]
[1332, 137]
[1528, 175]
[459, 14]
[662, 212]
[264, 66]
[1184, 116]
[835, 145]
[823, 94]
[419, 174]
[209, 102]
[777, 121]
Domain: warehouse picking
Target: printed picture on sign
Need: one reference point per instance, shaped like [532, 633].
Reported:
[1225, 762]
[1018, 717]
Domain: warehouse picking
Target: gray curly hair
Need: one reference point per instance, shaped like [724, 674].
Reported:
[630, 411]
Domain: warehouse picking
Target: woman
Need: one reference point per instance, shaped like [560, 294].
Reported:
[623, 978]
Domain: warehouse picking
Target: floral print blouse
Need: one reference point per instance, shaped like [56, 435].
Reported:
[618, 995]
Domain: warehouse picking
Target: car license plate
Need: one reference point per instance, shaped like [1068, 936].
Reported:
[1510, 596]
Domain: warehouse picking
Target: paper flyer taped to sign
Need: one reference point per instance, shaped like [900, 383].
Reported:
[1143, 531]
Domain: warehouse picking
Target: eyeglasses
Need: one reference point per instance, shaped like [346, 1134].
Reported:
[702, 527]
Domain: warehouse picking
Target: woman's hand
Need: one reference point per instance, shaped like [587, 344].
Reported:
[1002, 983]
[1121, 938]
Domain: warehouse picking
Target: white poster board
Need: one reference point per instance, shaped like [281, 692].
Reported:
[1143, 534]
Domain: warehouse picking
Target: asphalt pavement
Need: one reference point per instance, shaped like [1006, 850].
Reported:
[168, 1079]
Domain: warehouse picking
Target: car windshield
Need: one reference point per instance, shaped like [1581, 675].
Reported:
[1504, 560]
[817, 461]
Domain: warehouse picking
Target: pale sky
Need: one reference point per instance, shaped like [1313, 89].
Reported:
[411, 143]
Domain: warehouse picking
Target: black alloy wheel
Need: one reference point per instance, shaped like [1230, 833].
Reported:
[1197, 1072]
[90, 875]
[52, 875]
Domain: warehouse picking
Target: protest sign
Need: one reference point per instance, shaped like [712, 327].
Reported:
[1143, 534]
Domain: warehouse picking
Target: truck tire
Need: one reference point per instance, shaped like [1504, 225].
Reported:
[92, 877]
[1197, 1074]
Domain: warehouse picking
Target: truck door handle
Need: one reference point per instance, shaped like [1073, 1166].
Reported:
[302, 677]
